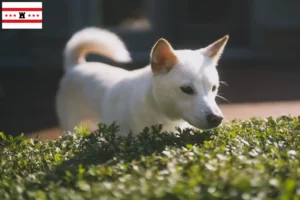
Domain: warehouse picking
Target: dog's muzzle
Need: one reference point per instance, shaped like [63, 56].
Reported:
[214, 120]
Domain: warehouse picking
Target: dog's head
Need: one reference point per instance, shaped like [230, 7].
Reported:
[186, 82]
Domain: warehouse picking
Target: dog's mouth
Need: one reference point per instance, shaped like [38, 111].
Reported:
[205, 124]
[208, 127]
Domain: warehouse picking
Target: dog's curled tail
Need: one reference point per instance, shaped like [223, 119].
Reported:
[97, 41]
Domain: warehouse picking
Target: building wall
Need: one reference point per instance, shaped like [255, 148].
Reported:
[274, 30]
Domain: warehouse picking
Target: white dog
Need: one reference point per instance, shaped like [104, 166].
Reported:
[177, 89]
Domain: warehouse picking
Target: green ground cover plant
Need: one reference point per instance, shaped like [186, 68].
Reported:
[253, 159]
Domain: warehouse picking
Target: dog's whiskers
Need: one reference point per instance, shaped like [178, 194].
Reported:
[223, 98]
[224, 83]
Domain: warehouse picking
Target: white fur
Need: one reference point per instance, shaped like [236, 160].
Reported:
[98, 92]
[109, 43]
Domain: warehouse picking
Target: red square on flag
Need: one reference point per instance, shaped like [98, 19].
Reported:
[22, 15]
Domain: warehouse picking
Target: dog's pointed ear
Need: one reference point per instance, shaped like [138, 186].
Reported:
[163, 57]
[215, 50]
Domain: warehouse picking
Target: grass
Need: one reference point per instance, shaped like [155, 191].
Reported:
[253, 159]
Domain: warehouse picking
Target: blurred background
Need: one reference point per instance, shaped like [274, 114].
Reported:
[260, 64]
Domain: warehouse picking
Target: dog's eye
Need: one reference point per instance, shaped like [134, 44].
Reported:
[187, 89]
[214, 88]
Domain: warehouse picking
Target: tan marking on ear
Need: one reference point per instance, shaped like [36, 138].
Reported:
[215, 50]
[162, 57]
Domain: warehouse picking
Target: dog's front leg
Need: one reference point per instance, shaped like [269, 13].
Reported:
[186, 125]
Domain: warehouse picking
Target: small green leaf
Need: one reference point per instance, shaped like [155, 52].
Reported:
[83, 185]
[3, 136]
[297, 127]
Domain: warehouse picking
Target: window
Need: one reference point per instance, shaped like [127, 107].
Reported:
[132, 21]
[186, 24]
[212, 12]
[131, 14]
[205, 21]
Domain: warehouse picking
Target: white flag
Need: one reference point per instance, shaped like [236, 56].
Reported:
[22, 15]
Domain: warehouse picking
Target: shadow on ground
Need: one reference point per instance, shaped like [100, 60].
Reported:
[105, 147]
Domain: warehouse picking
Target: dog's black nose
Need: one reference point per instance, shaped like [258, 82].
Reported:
[214, 120]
